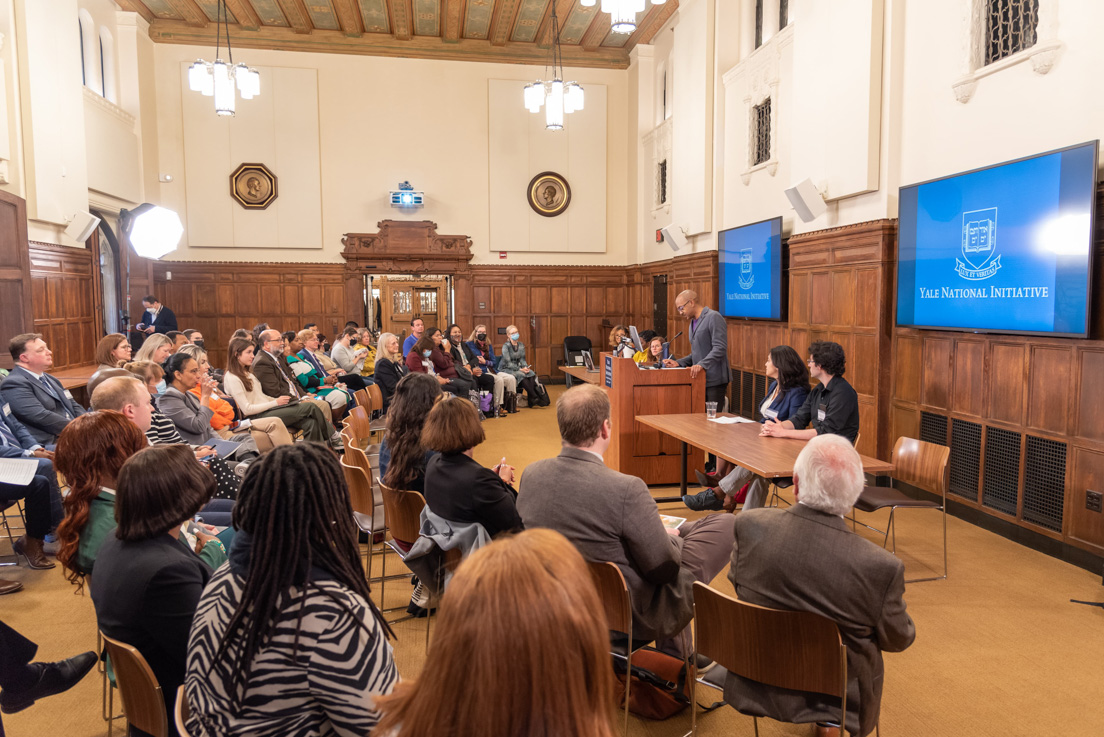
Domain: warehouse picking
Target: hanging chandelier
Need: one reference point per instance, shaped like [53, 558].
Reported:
[622, 12]
[218, 79]
[557, 97]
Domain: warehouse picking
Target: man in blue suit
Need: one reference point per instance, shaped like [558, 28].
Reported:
[41, 497]
[37, 400]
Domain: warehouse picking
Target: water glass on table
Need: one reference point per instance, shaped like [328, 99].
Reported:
[710, 410]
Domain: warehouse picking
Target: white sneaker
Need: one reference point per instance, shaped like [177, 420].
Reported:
[241, 468]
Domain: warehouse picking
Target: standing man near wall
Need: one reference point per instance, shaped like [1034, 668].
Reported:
[157, 318]
[708, 346]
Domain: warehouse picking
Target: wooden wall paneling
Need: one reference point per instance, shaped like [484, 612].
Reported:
[62, 304]
[905, 422]
[1087, 474]
[820, 310]
[969, 377]
[1089, 419]
[799, 298]
[863, 363]
[16, 285]
[1007, 380]
[1050, 374]
[935, 389]
[906, 368]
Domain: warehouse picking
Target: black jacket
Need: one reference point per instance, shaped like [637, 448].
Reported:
[166, 320]
[387, 375]
[461, 490]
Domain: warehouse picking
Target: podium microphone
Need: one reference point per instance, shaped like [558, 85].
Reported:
[676, 337]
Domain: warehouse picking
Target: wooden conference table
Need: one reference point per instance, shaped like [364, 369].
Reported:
[741, 444]
[581, 373]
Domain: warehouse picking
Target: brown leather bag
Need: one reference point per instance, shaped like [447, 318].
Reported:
[660, 686]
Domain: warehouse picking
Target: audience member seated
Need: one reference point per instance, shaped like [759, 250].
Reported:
[39, 401]
[610, 516]
[112, 351]
[460, 379]
[258, 342]
[41, 497]
[417, 330]
[194, 337]
[311, 347]
[526, 605]
[271, 370]
[23, 682]
[147, 583]
[420, 360]
[652, 355]
[241, 333]
[462, 355]
[192, 415]
[364, 342]
[787, 392]
[505, 385]
[620, 344]
[130, 396]
[156, 349]
[512, 361]
[286, 639]
[805, 558]
[349, 358]
[457, 487]
[267, 432]
[252, 401]
[178, 339]
[389, 367]
[403, 458]
[312, 380]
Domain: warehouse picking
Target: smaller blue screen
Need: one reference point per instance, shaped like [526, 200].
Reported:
[750, 259]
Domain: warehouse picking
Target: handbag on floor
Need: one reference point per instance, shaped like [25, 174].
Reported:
[660, 686]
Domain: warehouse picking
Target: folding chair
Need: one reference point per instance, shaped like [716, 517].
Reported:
[143, 703]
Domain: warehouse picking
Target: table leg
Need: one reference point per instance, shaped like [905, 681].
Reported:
[682, 483]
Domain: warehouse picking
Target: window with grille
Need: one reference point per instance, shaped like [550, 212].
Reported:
[933, 428]
[783, 13]
[965, 459]
[1044, 482]
[758, 23]
[1010, 27]
[761, 119]
[1000, 486]
[661, 183]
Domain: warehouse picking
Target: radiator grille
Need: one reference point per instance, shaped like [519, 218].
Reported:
[933, 428]
[747, 395]
[760, 395]
[1044, 482]
[1000, 484]
[965, 458]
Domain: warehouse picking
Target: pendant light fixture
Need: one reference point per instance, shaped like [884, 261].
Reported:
[218, 79]
[622, 12]
[557, 97]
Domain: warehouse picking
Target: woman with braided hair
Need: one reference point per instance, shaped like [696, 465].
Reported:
[286, 639]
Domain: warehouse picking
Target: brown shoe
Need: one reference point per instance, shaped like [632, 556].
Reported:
[710, 480]
[9, 587]
[31, 549]
[823, 730]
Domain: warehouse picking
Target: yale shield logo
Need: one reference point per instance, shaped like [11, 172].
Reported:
[979, 245]
[746, 277]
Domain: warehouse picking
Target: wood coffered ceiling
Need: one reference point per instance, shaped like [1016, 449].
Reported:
[515, 31]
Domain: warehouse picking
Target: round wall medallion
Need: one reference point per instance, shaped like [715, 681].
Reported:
[253, 186]
[549, 194]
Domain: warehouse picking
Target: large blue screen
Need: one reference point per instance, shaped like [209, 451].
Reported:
[1002, 249]
[750, 259]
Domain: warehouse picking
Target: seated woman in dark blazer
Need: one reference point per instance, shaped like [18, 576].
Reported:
[389, 366]
[785, 395]
[457, 487]
[426, 357]
[147, 585]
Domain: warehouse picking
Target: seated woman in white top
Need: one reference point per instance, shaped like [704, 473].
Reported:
[246, 393]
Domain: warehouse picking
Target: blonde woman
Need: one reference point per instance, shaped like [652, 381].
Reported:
[505, 384]
[389, 366]
[156, 349]
[513, 362]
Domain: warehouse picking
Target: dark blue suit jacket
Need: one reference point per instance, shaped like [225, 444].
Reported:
[26, 440]
[166, 320]
[788, 402]
[40, 413]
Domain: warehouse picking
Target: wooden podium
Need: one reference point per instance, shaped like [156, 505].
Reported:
[639, 450]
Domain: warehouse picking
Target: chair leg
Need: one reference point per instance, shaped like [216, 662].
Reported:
[755, 721]
[628, 681]
[943, 511]
[429, 616]
[892, 528]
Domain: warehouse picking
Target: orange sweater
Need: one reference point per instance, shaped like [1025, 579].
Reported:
[224, 413]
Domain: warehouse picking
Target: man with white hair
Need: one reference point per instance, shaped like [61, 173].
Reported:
[806, 558]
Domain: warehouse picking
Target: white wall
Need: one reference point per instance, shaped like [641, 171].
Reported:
[382, 121]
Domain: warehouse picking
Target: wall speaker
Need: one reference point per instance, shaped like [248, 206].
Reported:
[806, 200]
[673, 237]
[82, 226]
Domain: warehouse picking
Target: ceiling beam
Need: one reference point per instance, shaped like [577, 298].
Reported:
[400, 19]
[453, 19]
[348, 16]
[135, 6]
[379, 44]
[296, 15]
[192, 14]
[652, 24]
[596, 34]
[248, 20]
[502, 24]
[563, 9]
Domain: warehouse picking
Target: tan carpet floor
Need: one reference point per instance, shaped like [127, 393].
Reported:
[1000, 650]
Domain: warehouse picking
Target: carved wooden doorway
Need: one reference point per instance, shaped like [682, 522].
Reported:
[402, 300]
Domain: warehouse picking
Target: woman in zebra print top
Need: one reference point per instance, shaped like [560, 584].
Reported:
[286, 640]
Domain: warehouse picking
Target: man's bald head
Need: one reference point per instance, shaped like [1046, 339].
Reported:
[687, 304]
[125, 394]
[267, 335]
[580, 413]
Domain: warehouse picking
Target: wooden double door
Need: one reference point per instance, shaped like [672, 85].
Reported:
[403, 300]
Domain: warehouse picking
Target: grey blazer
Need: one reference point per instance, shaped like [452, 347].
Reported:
[709, 347]
[192, 419]
[610, 516]
[805, 560]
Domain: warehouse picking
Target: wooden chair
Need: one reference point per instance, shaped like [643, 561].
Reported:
[379, 424]
[181, 712]
[402, 511]
[802, 651]
[613, 592]
[143, 702]
[363, 399]
[920, 464]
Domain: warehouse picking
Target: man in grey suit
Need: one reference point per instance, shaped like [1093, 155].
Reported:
[37, 400]
[805, 558]
[708, 346]
[610, 516]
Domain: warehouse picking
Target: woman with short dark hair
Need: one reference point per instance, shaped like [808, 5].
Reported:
[457, 487]
[147, 585]
[286, 639]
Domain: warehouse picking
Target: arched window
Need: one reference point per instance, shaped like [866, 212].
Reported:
[90, 63]
[107, 65]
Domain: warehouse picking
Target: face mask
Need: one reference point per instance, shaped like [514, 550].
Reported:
[426, 353]
[161, 387]
[515, 336]
[481, 337]
[199, 343]
[456, 339]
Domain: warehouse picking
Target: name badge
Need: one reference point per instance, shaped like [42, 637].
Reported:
[771, 414]
[7, 409]
[822, 411]
[68, 394]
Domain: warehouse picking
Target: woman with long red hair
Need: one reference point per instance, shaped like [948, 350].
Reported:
[521, 649]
